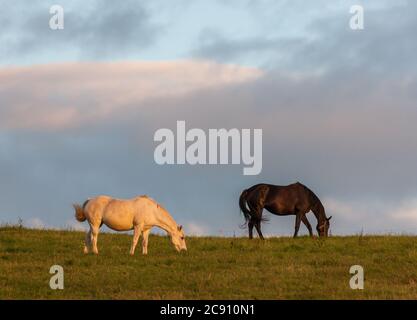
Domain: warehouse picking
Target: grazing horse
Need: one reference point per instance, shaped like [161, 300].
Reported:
[139, 214]
[294, 199]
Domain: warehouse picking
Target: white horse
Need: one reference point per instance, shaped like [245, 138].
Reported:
[139, 214]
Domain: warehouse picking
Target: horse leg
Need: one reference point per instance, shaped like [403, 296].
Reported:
[255, 220]
[258, 208]
[297, 223]
[258, 217]
[258, 228]
[307, 224]
[250, 227]
[145, 241]
[87, 245]
[94, 231]
[136, 235]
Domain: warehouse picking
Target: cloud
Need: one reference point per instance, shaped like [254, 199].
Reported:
[196, 229]
[350, 139]
[213, 45]
[75, 225]
[98, 29]
[407, 212]
[57, 96]
[34, 223]
[371, 216]
[337, 108]
[316, 37]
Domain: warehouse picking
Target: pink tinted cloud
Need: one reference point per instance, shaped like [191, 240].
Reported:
[49, 97]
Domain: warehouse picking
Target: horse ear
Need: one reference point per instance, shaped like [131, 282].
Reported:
[329, 218]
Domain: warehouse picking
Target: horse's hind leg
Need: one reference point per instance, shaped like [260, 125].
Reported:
[258, 218]
[250, 227]
[136, 235]
[255, 221]
[257, 208]
[307, 224]
[87, 245]
[94, 232]
[258, 228]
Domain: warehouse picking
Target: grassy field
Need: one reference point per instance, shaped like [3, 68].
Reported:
[213, 268]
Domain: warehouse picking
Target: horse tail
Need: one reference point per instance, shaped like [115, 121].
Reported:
[242, 204]
[79, 211]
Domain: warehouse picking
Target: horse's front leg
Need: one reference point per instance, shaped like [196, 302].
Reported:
[297, 224]
[307, 224]
[145, 241]
[136, 235]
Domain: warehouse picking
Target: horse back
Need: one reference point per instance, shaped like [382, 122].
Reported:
[283, 200]
[120, 214]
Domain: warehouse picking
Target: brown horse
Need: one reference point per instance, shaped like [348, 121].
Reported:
[294, 199]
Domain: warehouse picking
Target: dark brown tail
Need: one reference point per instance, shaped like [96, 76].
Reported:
[242, 204]
[79, 211]
[261, 193]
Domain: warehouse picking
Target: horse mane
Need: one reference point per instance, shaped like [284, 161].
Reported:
[316, 205]
[154, 201]
[159, 206]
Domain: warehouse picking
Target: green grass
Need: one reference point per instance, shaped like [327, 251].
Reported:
[213, 268]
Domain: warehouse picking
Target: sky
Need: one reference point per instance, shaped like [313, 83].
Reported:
[79, 108]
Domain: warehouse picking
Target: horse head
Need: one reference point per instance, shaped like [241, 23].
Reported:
[178, 239]
[323, 227]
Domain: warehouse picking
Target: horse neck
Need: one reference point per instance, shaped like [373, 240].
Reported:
[165, 221]
[318, 211]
